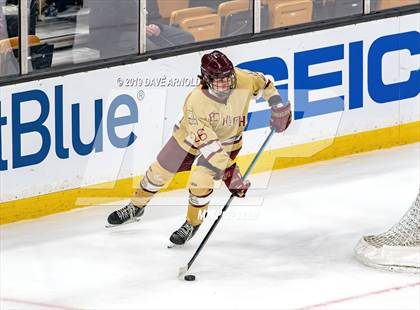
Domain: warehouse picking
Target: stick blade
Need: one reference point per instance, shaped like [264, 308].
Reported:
[182, 271]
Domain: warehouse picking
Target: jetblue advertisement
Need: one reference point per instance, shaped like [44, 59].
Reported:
[100, 126]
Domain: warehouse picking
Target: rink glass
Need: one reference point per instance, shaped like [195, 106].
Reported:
[70, 32]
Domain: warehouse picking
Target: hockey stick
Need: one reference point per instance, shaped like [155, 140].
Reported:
[183, 270]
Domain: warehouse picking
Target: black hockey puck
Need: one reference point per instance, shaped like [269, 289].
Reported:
[189, 277]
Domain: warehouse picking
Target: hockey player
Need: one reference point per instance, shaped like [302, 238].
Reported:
[214, 118]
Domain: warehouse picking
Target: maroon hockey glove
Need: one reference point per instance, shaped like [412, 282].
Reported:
[281, 117]
[234, 182]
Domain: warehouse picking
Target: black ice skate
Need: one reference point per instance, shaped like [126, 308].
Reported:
[125, 215]
[183, 234]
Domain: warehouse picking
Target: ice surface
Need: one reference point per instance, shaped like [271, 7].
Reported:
[288, 245]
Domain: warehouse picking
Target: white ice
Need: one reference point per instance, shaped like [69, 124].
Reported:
[289, 245]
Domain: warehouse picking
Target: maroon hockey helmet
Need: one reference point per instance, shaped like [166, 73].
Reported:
[218, 73]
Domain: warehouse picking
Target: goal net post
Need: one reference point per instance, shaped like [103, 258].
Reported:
[398, 248]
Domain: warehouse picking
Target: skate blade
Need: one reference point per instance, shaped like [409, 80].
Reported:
[119, 225]
[175, 246]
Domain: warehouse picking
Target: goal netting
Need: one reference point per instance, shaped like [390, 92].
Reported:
[397, 249]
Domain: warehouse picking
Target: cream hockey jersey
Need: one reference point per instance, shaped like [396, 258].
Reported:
[212, 127]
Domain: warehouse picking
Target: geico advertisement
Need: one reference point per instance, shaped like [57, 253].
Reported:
[339, 81]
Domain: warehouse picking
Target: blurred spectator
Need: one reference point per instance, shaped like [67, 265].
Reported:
[161, 35]
[53, 7]
[13, 19]
[8, 62]
[50, 9]
[113, 28]
[4, 46]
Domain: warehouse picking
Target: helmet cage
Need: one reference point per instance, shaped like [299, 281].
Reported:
[218, 74]
[217, 83]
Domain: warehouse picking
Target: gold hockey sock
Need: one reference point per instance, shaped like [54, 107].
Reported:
[156, 177]
[142, 197]
[196, 215]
